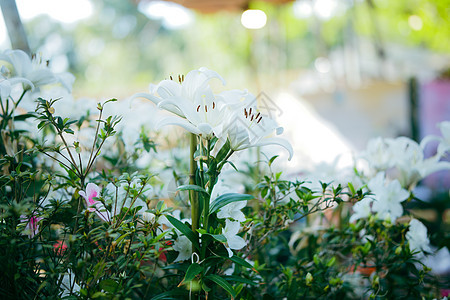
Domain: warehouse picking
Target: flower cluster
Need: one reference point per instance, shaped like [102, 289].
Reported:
[229, 116]
[403, 159]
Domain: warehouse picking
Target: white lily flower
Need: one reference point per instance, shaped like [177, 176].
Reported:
[246, 127]
[417, 237]
[234, 241]
[184, 247]
[388, 197]
[192, 100]
[35, 70]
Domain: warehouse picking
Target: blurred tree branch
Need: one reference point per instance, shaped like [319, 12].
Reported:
[14, 25]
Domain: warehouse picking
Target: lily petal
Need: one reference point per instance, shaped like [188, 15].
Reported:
[277, 141]
[179, 122]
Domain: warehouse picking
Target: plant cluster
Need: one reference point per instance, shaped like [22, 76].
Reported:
[88, 209]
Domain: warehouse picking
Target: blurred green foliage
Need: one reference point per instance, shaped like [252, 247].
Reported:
[119, 50]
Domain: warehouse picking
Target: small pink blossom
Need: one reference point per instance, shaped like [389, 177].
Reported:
[32, 227]
[92, 192]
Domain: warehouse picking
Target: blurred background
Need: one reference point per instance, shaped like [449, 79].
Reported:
[334, 72]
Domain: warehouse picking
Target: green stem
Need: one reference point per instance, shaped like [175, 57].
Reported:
[211, 185]
[193, 196]
[221, 164]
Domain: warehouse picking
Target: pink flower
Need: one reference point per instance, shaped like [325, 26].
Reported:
[60, 247]
[92, 192]
[32, 227]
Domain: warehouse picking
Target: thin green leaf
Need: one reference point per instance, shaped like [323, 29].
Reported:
[240, 261]
[185, 230]
[192, 187]
[240, 279]
[223, 283]
[228, 198]
[223, 151]
[173, 294]
[272, 159]
[109, 285]
[191, 272]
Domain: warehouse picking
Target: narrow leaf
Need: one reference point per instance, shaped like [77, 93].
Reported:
[191, 272]
[223, 283]
[192, 187]
[173, 294]
[240, 261]
[228, 198]
[185, 230]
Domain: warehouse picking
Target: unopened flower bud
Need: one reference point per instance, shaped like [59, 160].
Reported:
[309, 278]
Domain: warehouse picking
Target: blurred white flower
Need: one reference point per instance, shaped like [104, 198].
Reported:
[444, 141]
[68, 283]
[402, 159]
[417, 237]
[148, 217]
[439, 261]
[233, 211]
[35, 70]
[388, 196]
[184, 247]
[377, 154]
[6, 85]
[234, 241]
[444, 145]
[361, 209]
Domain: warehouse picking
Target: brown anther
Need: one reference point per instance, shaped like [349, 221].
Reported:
[245, 112]
[257, 115]
[171, 78]
[198, 107]
[179, 78]
[206, 108]
[251, 119]
[182, 77]
[260, 118]
[250, 111]
[214, 105]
